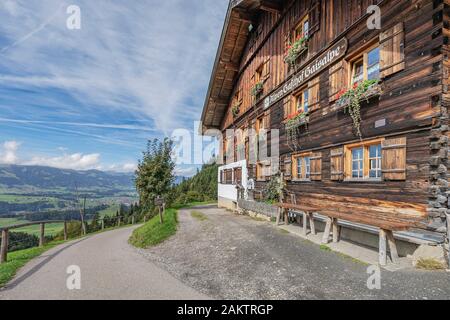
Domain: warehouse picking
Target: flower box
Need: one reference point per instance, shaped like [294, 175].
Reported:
[297, 120]
[257, 89]
[372, 91]
[295, 50]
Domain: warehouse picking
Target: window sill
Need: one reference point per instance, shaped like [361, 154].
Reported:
[301, 180]
[364, 180]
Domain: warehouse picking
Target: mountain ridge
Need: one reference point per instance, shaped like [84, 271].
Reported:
[17, 176]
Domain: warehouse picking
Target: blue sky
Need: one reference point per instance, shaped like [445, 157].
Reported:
[90, 98]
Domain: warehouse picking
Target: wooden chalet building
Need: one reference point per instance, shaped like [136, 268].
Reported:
[362, 112]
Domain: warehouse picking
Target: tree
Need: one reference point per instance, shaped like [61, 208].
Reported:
[155, 173]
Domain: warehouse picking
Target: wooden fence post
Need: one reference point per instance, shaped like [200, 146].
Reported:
[4, 247]
[161, 220]
[65, 231]
[42, 235]
[145, 219]
[118, 222]
[103, 224]
[132, 220]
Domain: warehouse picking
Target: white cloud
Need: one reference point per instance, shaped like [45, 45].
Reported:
[76, 161]
[9, 154]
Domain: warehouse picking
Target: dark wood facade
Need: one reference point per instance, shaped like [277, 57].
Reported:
[410, 106]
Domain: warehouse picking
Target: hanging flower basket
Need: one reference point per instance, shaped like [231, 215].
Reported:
[293, 124]
[257, 89]
[295, 50]
[351, 100]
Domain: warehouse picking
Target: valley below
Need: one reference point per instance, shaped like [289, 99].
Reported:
[32, 193]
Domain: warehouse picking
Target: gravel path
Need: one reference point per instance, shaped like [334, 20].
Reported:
[110, 269]
[236, 257]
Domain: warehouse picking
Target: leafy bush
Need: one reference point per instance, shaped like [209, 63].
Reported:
[274, 188]
[21, 241]
[73, 231]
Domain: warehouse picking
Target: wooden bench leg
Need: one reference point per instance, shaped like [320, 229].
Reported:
[286, 217]
[382, 249]
[305, 224]
[312, 224]
[336, 231]
[326, 234]
[392, 246]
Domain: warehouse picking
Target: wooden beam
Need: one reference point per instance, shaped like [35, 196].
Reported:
[312, 223]
[305, 224]
[392, 247]
[336, 231]
[243, 15]
[326, 234]
[270, 7]
[230, 65]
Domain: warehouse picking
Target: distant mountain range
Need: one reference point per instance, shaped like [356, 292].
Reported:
[13, 176]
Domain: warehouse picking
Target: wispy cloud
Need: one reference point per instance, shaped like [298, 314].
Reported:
[148, 57]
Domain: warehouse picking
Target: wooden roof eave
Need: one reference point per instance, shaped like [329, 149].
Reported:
[215, 106]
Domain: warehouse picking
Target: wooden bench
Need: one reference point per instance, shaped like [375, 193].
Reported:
[387, 216]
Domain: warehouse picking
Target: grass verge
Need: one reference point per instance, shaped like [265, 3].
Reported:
[18, 259]
[153, 232]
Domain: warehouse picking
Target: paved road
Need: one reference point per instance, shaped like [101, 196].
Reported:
[110, 269]
[235, 257]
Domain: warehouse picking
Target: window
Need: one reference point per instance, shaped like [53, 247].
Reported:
[263, 170]
[301, 30]
[302, 167]
[364, 160]
[375, 161]
[299, 103]
[238, 176]
[366, 67]
[358, 163]
[229, 176]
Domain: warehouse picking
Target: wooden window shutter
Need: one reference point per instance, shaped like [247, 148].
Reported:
[338, 79]
[266, 69]
[394, 159]
[314, 17]
[287, 162]
[287, 107]
[314, 93]
[392, 50]
[337, 164]
[316, 166]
